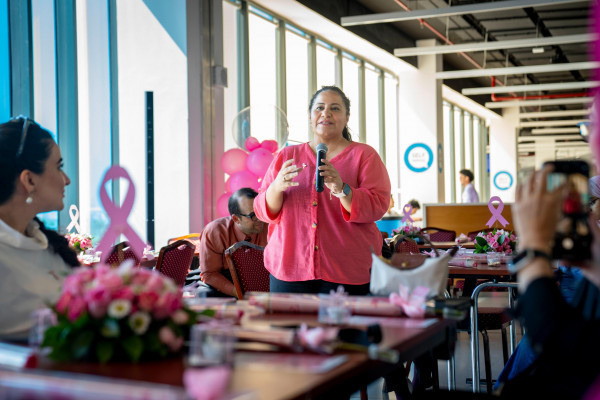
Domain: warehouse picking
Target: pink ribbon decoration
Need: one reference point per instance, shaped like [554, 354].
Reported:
[74, 214]
[406, 216]
[118, 216]
[206, 383]
[413, 304]
[496, 212]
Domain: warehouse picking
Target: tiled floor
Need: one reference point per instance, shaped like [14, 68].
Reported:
[462, 357]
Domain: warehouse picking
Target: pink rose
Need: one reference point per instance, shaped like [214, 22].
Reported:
[155, 283]
[147, 300]
[63, 302]
[180, 317]
[167, 304]
[110, 281]
[76, 308]
[166, 335]
[124, 292]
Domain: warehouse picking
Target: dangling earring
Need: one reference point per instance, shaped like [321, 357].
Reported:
[29, 199]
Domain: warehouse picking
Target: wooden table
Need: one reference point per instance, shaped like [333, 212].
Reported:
[410, 337]
[447, 245]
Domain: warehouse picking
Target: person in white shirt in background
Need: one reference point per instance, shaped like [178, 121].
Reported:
[33, 259]
[469, 194]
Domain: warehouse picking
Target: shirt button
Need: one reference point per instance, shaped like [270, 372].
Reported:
[316, 247]
[314, 225]
[314, 203]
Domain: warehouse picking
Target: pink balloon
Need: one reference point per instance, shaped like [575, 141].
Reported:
[251, 143]
[258, 161]
[243, 179]
[222, 204]
[233, 161]
[228, 185]
[270, 145]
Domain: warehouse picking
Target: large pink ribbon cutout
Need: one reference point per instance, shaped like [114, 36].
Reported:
[118, 215]
[406, 216]
[496, 212]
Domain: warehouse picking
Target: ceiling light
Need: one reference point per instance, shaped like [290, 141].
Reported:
[537, 50]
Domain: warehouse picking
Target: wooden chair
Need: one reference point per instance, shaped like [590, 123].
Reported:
[174, 260]
[120, 253]
[471, 235]
[193, 238]
[245, 261]
[439, 234]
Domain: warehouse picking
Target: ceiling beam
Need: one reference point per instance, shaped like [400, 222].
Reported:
[544, 102]
[530, 88]
[549, 114]
[448, 11]
[554, 130]
[541, 124]
[497, 45]
[533, 69]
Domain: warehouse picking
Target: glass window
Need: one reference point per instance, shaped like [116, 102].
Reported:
[5, 112]
[44, 77]
[372, 106]
[297, 86]
[230, 61]
[350, 84]
[468, 145]
[262, 62]
[325, 65]
[93, 86]
[458, 150]
[151, 56]
[448, 168]
[391, 129]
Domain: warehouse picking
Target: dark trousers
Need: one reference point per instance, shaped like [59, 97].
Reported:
[316, 286]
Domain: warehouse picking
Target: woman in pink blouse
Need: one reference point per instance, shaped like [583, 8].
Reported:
[318, 241]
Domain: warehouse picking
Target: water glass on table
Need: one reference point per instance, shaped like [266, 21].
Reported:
[494, 259]
[212, 344]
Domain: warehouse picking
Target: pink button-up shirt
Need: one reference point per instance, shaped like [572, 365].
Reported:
[313, 236]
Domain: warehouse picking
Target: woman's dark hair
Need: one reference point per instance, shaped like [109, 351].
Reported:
[414, 204]
[345, 99]
[36, 150]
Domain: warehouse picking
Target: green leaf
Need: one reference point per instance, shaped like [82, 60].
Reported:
[81, 345]
[501, 239]
[134, 346]
[480, 241]
[207, 312]
[104, 351]
[51, 336]
[152, 342]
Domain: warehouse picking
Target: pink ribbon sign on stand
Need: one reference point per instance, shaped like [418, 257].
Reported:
[118, 215]
[74, 214]
[496, 212]
[407, 210]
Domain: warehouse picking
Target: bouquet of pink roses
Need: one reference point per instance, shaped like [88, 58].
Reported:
[497, 240]
[118, 314]
[408, 230]
[80, 242]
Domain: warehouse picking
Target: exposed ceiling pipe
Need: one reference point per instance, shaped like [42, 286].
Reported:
[476, 64]
[541, 96]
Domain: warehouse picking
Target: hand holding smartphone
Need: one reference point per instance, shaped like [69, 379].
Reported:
[573, 239]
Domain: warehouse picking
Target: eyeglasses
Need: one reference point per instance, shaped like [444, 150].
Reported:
[26, 122]
[252, 216]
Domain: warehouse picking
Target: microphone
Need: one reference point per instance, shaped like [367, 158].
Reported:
[321, 153]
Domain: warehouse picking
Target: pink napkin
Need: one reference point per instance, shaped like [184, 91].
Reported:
[206, 383]
[413, 304]
[315, 337]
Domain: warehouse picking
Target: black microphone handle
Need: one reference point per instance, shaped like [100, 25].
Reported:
[320, 180]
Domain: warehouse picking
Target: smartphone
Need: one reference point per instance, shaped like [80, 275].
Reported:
[573, 238]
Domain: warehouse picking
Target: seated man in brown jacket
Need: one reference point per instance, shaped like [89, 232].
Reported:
[220, 234]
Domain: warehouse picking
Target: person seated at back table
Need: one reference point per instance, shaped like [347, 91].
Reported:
[222, 233]
[33, 260]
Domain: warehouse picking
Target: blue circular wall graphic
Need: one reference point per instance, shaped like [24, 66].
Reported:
[418, 157]
[503, 180]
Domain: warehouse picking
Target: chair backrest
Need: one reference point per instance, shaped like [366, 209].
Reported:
[174, 260]
[120, 253]
[245, 261]
[439, 234]
[193, 238]
[407, 245]
[473, 234]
